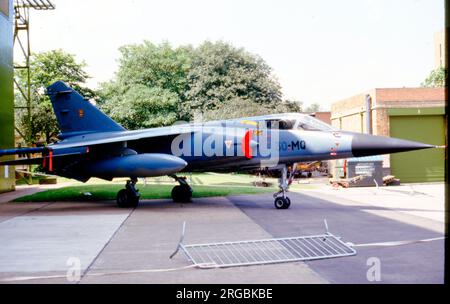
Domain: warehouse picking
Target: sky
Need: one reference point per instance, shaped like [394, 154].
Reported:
[321, 51]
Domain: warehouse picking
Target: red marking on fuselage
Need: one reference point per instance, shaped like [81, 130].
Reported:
[246, 144]
[50, 160]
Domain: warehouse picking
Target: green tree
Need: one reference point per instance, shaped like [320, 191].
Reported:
[437, 78]
[155, 66]
[143, 107]
[152, 66]
[221, 73]
[46, 68]
[236, 107]
[214, 79]
[314, 107]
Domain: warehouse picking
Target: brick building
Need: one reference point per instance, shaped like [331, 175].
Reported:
[409, 113]
[323, 116]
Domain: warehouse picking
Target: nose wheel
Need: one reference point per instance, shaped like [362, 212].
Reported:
[128, 197]
[281, 200]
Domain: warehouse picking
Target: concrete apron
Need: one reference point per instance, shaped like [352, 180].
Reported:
[108, 239]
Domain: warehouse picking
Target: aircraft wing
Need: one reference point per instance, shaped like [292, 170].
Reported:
[100, 138]
[66, 147]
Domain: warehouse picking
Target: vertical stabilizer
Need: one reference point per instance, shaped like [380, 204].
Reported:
[76, 115]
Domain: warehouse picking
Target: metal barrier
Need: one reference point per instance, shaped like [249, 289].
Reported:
[265, 251]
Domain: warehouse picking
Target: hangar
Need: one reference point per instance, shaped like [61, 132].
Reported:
[416, 114]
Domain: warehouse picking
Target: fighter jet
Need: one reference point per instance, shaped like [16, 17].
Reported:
[91, 144]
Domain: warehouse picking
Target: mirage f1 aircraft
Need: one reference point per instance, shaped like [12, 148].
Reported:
[93, 145]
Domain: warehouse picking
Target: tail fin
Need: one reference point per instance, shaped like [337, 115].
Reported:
[76, 115]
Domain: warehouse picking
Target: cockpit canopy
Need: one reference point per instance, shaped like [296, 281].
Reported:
[293, 121]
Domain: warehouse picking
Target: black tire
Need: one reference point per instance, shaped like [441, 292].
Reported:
[125, 199]
[122, 198]
[133, 201]
[282, 202]
[288, 202]
[181, 194]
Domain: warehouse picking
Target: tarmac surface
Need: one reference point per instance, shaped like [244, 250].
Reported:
[42, 240]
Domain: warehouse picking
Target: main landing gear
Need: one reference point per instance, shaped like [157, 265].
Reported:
[128, 197]
[281, 200]
[183, 192]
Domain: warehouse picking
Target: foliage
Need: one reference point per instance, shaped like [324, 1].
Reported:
[214, 79]
[437, 78]
[159, 68]
[221, 73]
[314, 107]
[46, 68]
[143, 107]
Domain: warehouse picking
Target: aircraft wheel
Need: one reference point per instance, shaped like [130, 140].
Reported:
[125, 199]
[133, 201]
[181, 194]
[282, 202]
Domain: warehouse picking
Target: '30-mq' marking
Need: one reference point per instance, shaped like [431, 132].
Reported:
[293, 145]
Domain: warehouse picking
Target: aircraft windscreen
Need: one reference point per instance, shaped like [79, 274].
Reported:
[309, 123]
[290, 121]
[281, 124]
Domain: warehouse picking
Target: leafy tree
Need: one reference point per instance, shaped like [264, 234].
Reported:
[46, 68]
[236, 107]
[221, 72]
[214, 79]
[143, 107]
[152, 66]
[314, 107]
[289, 106]
[437, 78]
[155, 66]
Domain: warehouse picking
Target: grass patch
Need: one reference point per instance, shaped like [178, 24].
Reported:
[109, 192]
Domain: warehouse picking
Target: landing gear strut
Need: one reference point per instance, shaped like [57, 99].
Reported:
[183, 192]
[129, 197]
[281, 200]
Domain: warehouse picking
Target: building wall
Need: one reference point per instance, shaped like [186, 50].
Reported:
[440, 50]
[6, 91]
[349, 114]
[323, 116]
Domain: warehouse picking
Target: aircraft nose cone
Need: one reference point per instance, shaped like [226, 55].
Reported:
[366, 145]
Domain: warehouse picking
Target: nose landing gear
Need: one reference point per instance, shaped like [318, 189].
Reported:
[281, 200]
